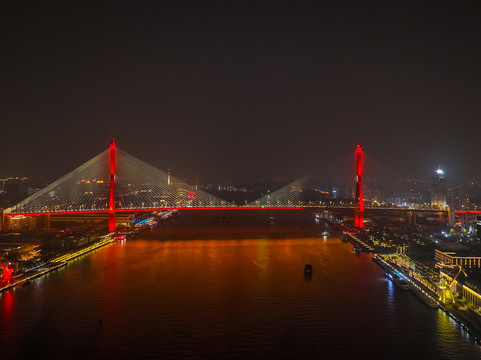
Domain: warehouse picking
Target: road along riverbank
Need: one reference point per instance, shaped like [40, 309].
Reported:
[61, 261]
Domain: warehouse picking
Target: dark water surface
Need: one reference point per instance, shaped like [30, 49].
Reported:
[234, 298]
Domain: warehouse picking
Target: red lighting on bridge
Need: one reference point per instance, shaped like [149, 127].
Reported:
[112, 223]
[359, 213]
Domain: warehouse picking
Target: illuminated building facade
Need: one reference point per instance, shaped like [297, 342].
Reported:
[472, 293]
[438, 188]
[466, 260]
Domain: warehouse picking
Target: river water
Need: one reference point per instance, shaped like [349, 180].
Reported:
[221, 296]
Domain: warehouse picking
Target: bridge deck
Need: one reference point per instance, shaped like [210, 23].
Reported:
[366, 209]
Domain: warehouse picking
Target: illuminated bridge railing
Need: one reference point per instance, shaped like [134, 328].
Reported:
[21, 212]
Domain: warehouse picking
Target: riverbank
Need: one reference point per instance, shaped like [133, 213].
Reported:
[61, 261]
[462, 318]
[364, 244]
[418, 289]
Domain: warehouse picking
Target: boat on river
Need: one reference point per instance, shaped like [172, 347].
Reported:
[402, 284]
[308, 269]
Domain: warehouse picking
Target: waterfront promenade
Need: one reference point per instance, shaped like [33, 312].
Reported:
[469, 322]
[26, 277]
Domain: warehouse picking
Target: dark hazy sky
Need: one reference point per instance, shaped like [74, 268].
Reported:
[242, 89]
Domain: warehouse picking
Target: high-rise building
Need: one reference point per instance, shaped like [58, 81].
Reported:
[438, 188]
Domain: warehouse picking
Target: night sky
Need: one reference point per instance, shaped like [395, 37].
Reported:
[243, 89]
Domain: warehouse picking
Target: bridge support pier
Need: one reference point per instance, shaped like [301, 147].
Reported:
[358, 218]
[32, 222]
[6, 223]
[47, 222]
[412, 218]
[451, 217]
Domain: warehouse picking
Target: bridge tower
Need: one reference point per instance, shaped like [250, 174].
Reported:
[359, 213]
[112, 222]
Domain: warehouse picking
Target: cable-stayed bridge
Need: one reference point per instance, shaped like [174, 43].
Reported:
[115, 181]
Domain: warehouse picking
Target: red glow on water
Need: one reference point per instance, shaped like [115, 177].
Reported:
[7, 306]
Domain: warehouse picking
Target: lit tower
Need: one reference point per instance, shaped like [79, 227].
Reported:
[438, 190]
[359, 213]
[112, 223]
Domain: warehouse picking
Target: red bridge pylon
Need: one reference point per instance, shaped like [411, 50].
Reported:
[112, 222]
[359, 212]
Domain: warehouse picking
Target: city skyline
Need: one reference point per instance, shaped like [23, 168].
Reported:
[240, 180]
